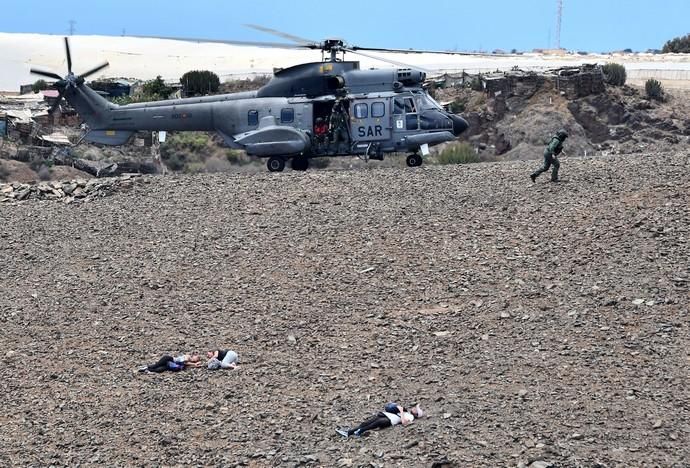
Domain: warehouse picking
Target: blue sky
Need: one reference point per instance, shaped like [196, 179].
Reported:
[589, 25]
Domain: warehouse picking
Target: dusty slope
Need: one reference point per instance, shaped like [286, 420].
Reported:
[508, 309]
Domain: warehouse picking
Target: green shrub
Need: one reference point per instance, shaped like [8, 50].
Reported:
[237, 158]
[200, 82]
[654, 90]
[678, 45]
[615, 74]
[476, 84]
[462, 153]
[39, 85]
[457, 106]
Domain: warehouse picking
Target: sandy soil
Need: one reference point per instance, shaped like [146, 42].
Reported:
[540, 324]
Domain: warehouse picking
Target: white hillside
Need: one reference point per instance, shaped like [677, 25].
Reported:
[147, 58]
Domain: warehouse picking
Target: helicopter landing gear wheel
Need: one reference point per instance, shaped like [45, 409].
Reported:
[275, 164]
[414, 160]
[300, 163]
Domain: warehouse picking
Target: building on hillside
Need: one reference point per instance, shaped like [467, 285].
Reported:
[112, 88]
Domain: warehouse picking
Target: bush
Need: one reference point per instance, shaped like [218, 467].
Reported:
[476, 84]
[654, 90]
[457, 106]
[678, 45]
[39, 85]
[217, 165]
[614, 74]
[156, 89]
[200, 82]
[462, 153]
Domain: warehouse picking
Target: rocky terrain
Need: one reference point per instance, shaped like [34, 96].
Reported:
[538, 324]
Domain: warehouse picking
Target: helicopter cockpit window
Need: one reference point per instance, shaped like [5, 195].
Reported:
[287, 115]
[427, 102]
[253, 118]
[398, 106]
[404, 106]
[361, 111]
[378, 109]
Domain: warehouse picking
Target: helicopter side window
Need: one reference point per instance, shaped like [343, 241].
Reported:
[253, 118]
[361, 111]
[378, 109]
[287, 115]
[409, 106]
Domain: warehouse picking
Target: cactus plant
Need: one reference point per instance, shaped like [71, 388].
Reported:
[615, 74]
[654, 89]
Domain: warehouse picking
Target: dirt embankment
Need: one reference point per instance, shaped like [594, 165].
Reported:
[619, 120]
[538, 324]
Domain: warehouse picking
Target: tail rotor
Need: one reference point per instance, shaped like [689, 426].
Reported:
[71, 80]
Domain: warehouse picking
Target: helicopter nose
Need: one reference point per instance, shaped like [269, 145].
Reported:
[459, 124]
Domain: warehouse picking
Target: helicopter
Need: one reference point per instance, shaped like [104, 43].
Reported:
[292, 117]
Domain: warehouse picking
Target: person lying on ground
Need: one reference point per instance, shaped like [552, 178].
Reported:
[170, 363]
[392, 415]
[222, 359]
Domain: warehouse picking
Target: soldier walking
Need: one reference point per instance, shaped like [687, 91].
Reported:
[552, 150]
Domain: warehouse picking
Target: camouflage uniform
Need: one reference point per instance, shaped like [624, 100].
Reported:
[340, 137]
[552, 150]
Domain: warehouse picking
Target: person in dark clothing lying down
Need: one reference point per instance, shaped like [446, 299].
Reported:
[393, 414]
[174, 364]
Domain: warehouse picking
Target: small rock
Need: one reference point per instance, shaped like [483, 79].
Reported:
[522, 393]
[505, 315]
[540, 464]
[638, 301]
[442, 333]
[345, 462]
[577, 436]
[447, 415]
[658, 424]
[292, 339]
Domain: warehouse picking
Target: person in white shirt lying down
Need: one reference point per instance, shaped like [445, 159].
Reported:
[392, 415]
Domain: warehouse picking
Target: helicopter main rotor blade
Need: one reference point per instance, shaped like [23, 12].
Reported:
[94, 70]
[69, 56]
[197, 40]
[52, 75]
[422, 51]
[291, 37]
[392, 62]
[56, 104]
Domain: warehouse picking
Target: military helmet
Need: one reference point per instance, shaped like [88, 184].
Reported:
[319, 119]
[561, 134]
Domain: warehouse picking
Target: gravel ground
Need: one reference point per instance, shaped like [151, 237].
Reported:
[538, 324]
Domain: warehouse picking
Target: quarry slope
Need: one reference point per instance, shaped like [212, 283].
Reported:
[534, 322]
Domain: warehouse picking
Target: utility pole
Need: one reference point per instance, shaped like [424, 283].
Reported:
[71, 27]
[559, 15]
